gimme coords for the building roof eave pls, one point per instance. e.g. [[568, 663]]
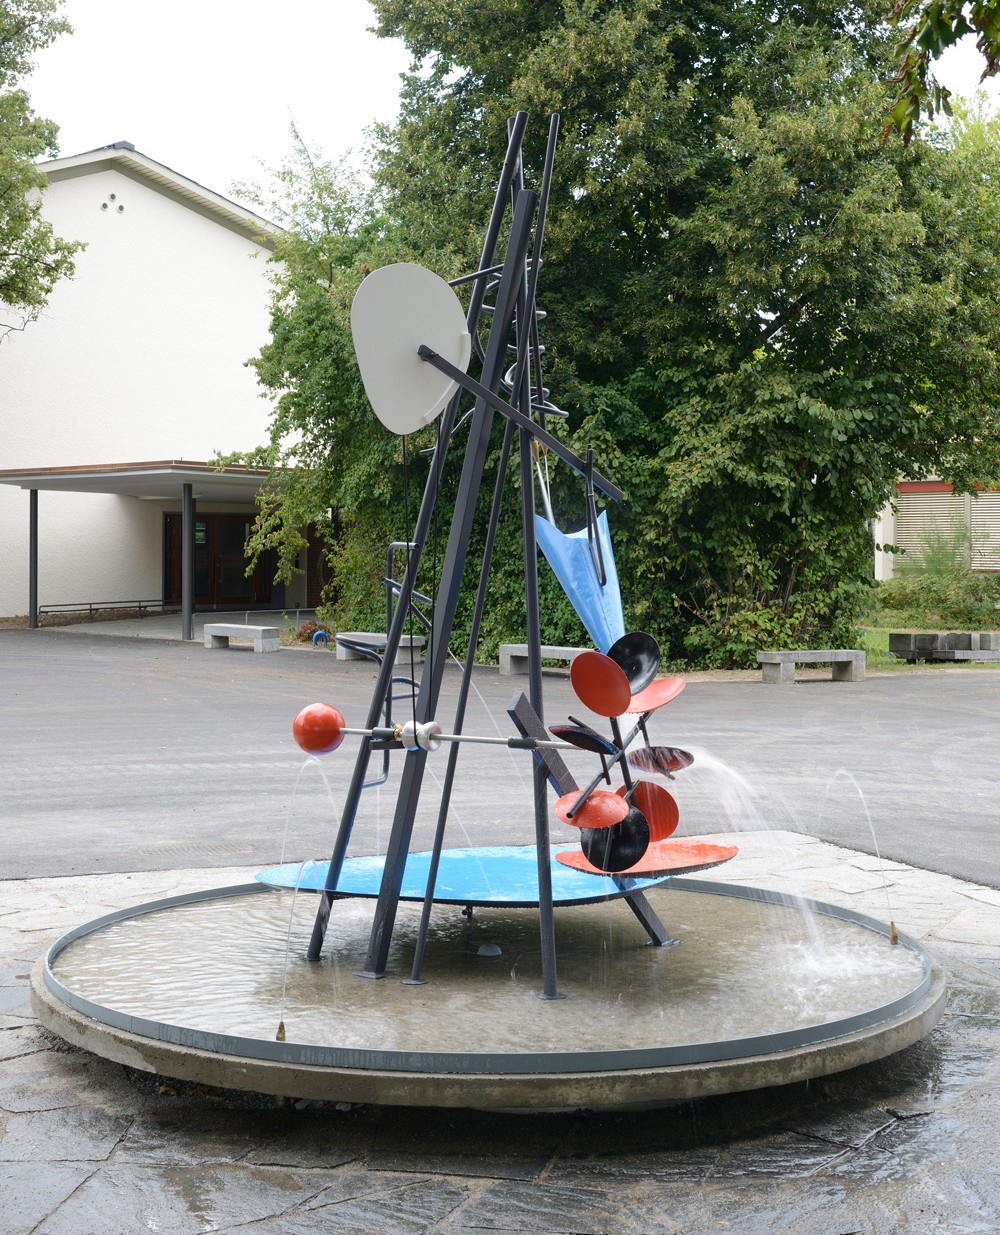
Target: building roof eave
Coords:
[[124, 158], [158, 480]]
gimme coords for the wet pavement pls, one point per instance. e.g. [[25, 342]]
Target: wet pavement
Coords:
[[111, 748]]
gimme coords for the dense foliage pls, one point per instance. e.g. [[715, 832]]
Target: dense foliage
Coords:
[[335, 471], [759, 315], [32, 257]]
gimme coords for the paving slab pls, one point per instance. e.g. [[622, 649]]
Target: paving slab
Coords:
[[890, 1146]]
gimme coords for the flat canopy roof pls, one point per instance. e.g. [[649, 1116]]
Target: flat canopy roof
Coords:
[[155, 481]]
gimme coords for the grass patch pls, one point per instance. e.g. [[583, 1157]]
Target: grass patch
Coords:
[[875, 645], [941, 597]]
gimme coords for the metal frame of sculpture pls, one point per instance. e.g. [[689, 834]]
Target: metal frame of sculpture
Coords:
[[616, 835]]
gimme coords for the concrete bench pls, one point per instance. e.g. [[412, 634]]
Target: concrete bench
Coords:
[[953, 645], [375, 643], [514, 656], [265, 638], [848, 664]]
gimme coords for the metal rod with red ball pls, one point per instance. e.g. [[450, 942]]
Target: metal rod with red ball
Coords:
[[320, 728]]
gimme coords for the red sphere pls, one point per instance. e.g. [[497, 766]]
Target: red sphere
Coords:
[[318, 729]]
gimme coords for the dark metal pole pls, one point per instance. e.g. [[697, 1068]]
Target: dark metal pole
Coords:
[[383, 684], [521, 399], [187, 561], [510, 164], [536, 256], [32, 559], [546, 924], [395, 631], [463, 699], [524, 399], [511, 284]]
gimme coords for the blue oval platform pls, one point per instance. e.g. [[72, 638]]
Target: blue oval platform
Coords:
[[497, 876]]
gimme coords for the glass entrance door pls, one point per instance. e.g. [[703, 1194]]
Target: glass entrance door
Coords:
[[220, 563], [233, 586]]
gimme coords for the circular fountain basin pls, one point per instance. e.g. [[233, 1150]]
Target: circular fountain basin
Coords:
[[762, 990]]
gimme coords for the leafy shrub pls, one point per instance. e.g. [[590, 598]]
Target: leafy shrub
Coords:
[[926, 600], [305, 632], [933, 588]]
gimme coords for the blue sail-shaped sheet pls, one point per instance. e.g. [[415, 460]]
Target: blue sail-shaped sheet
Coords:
[[599, 607]]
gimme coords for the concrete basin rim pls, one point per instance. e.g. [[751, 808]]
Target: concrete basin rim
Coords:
[[486, 1064], [631, 1090]]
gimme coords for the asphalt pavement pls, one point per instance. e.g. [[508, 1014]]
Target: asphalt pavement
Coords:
[[124, 754]]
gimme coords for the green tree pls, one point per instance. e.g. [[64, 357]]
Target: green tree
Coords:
[[760, 316], [929, 28], [770, 462], [32, 257]]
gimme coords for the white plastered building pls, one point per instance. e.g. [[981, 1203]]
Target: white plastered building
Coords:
[[114, 402]]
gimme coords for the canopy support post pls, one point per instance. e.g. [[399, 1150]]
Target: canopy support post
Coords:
[[187, 561], [32, 559]]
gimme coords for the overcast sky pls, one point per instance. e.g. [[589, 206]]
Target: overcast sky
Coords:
[[210, 87]]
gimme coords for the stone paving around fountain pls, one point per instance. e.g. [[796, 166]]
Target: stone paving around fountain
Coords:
[[905, 1145]]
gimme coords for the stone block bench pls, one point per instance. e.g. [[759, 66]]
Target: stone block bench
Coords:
[[370, 645], [954, 645], [265, 638], [848, 663], [514, 656]]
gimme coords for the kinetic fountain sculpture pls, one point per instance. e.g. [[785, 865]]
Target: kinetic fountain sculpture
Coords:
[[640, 1028]]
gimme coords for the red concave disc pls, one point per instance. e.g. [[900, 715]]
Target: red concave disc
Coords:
[[600, 684], [660, 808], [318, 729], [601, 810], [668, 857], [655, 695]]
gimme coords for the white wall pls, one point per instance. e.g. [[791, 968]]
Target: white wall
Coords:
[[883, 531], [140, 357]]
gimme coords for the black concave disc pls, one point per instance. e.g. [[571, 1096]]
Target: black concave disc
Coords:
[[663, 759], [618, 847], [638, 656], [585, 738]]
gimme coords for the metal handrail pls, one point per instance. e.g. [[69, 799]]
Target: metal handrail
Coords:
[[91, 607]]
